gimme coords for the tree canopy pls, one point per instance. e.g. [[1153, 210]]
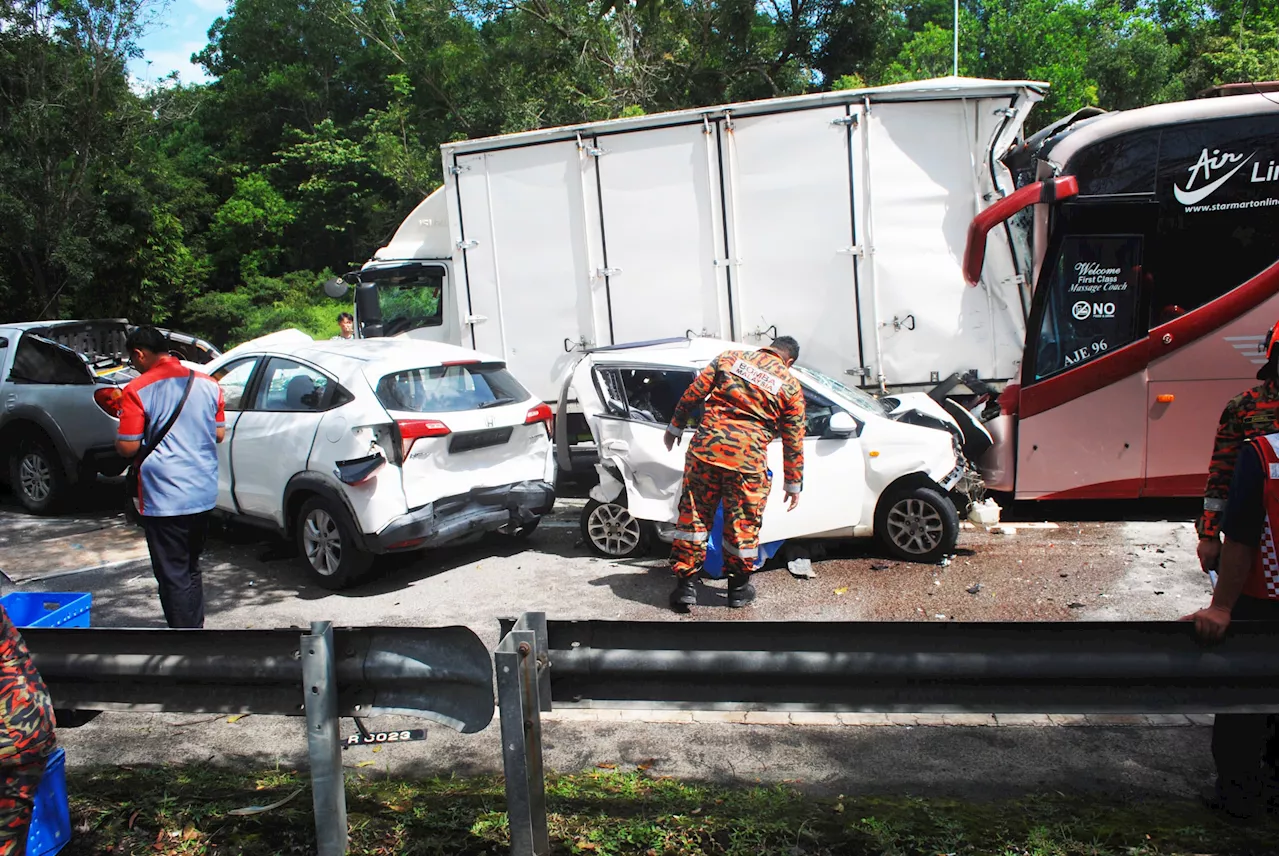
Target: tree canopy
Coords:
[[218, 207]]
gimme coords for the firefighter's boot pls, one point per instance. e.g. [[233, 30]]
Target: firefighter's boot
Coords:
[[741, 591], [684, 595]]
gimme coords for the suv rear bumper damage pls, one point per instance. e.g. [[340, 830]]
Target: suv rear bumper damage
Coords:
[[484, 509]]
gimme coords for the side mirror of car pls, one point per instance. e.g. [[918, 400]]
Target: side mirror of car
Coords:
[[842, 424], [336, 288]]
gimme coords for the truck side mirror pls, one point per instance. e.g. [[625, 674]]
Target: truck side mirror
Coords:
[[336, 288], [368, 310], [842, 424]]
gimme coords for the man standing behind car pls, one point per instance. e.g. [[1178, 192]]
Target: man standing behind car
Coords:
[[751, 397], [178, 477]]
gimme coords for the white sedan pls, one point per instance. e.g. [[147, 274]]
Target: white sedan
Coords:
[[886, 467], [361, 447]]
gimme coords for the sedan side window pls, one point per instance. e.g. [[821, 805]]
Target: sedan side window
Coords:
[[233, 378], [290, 387], [817, 414], [652, 394]]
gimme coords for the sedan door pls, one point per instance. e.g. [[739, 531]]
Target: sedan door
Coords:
[[273, 438], [834, 480], [234, 380]]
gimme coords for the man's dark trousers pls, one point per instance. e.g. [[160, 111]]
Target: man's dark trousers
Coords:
[[1244, 744], [175, 544]]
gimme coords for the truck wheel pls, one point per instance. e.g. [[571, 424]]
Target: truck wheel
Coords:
[[610, 531], [36, 476], [917, 524], [328, 545]]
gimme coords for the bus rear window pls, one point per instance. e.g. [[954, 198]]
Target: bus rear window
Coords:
[[449, 389]]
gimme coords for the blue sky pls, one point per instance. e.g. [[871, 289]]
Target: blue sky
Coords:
[[181, 30]]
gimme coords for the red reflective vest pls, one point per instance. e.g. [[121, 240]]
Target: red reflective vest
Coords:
[[1266, 568]]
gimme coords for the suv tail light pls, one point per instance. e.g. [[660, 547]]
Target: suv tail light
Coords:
[[542, 413], [411, 429], [110, 399]]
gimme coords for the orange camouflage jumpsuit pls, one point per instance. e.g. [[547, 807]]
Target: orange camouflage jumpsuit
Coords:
[[751, 398], [26, 736]]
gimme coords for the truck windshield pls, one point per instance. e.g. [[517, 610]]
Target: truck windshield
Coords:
[[409, 297]]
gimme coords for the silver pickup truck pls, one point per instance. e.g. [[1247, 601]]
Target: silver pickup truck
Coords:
[[60, 391]]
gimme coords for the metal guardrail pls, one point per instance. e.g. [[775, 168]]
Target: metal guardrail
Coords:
[[442, 674], [978, 667]]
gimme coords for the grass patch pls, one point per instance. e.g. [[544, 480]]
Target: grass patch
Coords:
[[186, 810]]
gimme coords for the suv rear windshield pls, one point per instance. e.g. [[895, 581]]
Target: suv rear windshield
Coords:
[[448, 389]]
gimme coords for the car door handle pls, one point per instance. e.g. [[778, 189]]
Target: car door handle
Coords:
[[619, 447]]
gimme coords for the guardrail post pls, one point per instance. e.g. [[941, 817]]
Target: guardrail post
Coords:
[[517, 663], [320, 688]]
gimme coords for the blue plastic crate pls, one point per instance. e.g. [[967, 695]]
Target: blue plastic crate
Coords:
[[51, 817], [48, 609]]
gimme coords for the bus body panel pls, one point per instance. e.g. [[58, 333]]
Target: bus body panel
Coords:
[[1097, 440]]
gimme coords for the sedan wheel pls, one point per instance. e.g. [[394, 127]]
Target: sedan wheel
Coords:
[[611, 531], [918, 524]]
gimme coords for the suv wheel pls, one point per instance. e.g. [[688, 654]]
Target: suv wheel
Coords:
[[917, 524], [36, 476], [328, 545], [610, 531]]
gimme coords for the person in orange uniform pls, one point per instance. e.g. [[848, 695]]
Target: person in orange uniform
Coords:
[[1244, 744], [751, 398], [26, 736], [1250, 414]]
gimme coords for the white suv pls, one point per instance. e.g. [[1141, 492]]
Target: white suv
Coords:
[[361, 447]]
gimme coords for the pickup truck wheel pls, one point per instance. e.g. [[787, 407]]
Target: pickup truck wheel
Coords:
[[610, 531], [917, 524], [328, 545], [36, 476]]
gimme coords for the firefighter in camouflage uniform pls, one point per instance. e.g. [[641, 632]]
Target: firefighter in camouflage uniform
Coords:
[[751, 398], [1250, 414], [26, 736]]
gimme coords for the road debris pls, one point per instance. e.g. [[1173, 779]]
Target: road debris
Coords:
[[975, 588], [802, 568]]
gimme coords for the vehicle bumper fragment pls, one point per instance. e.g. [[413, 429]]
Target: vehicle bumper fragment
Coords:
[[480, 510]]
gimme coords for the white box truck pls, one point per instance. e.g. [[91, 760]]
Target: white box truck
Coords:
[[839, 218]]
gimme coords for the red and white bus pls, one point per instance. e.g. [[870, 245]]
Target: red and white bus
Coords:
[[1150, 236]]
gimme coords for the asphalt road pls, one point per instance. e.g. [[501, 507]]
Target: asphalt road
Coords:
[[1087, 561]]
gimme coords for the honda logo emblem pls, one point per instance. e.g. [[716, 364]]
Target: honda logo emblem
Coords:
[[488, 423]]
